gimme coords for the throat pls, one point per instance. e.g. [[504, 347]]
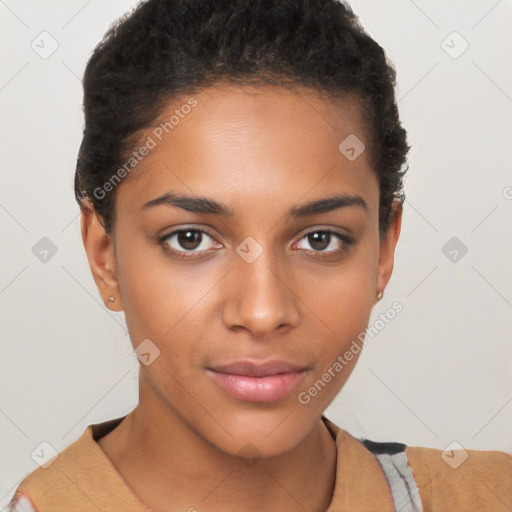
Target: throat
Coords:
[[303, 480]]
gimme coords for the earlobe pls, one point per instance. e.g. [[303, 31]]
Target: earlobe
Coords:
[[99, 248], [387, 247]]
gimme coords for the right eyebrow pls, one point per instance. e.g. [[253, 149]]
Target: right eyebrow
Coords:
[[197, 204]]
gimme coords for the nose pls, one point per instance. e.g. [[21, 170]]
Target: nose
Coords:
[[259, 298]]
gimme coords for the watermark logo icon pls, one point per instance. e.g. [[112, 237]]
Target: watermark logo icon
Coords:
[[352, 147], [454, 249], [249, 249], [44, 45], [147, 352], [454, 45], [44, 454], [249, 453], [454, 454], [44, 250]]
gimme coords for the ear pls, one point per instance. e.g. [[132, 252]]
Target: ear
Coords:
[[101, 255], [387, 247]]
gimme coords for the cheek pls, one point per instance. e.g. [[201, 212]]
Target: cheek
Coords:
[[164, 301], [340, 303], [344, 317], [343, 296], [338, 349]]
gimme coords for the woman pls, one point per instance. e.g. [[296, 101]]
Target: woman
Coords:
[[240, 185]]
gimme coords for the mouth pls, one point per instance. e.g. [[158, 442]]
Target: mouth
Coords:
[[253, 382]]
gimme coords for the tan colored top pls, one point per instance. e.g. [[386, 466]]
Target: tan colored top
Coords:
[[82, 478]]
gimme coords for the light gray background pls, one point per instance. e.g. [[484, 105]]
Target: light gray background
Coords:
[[439, 372]]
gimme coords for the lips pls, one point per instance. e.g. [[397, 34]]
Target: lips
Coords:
[[251, 369], [263, 382]]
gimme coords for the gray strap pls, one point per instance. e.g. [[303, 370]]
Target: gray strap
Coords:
[[404, 490]]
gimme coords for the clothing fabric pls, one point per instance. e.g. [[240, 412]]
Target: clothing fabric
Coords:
[[395, 464], [370, 477]]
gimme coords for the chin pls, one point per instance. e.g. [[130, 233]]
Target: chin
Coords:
[[260, 434]]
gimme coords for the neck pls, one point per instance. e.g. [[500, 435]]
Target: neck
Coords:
[[165, 461]]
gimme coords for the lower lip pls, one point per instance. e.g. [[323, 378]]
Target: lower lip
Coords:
[[258, 389]]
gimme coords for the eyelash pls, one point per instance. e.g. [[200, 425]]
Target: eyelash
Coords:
[[347, 242]]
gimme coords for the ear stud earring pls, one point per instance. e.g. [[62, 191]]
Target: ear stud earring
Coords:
[[111, 299], [379, 296]]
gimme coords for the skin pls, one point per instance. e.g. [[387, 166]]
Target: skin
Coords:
[[260, 152]]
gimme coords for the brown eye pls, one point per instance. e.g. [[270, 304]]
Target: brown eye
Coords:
[[321, 239], [187, 240]]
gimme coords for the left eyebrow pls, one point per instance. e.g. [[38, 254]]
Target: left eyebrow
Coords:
[[201, 204], [328, 204]]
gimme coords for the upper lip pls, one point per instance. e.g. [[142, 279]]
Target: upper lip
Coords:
[[254, 369]]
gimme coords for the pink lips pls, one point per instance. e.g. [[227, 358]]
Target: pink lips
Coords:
[[258, 382]]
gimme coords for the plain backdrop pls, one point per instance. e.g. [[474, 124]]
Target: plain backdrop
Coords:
[[440, 371]]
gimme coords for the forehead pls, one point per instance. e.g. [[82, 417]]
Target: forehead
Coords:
[[257, 143]]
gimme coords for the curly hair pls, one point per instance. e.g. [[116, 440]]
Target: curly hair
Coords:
[[164, 49]]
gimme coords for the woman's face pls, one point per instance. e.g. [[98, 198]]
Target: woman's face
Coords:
[[263, 283]]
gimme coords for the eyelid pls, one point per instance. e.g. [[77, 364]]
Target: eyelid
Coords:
[[326, 227]]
